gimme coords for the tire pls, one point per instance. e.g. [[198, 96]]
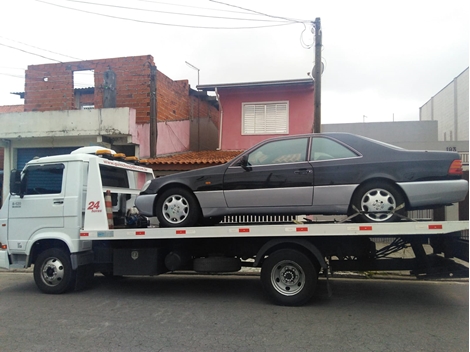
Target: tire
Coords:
[[289, 277], [53, 271], [177, 207], [378, 201]]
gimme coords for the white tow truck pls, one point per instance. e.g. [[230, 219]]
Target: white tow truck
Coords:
[[73, 215]]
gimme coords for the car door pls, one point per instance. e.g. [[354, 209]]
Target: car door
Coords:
[[276, 174], [41, 206]]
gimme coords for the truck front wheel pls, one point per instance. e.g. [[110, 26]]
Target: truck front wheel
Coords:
[[289, 277], [53, 271]]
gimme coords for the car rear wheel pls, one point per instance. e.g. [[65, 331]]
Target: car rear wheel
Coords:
[[177, 207], [378, 202]]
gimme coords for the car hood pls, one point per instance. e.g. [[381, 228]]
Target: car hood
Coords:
[[185, 177]]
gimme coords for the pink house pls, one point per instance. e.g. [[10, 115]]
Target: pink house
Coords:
[[248, 113], [254, 111]]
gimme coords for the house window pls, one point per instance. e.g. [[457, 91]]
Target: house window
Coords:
[[265, 118]]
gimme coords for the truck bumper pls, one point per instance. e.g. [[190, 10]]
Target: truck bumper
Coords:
[[4, 261]]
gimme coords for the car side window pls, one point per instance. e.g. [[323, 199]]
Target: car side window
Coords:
[[280, 152], [327, 149], [45, 179]]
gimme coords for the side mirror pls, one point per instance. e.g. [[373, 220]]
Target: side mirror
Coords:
[[245, 164], [15, 183]]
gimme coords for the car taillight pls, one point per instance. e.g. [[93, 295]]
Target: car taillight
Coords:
[[456, 168]]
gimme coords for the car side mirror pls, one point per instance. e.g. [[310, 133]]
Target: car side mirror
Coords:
[[15, 183], [245, 164]]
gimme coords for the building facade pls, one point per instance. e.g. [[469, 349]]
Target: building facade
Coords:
[[114, 109], [449, 107]]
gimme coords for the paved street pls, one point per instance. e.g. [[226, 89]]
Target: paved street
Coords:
[[230, 313]]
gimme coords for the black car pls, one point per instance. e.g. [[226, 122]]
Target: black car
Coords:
[[326, 173]]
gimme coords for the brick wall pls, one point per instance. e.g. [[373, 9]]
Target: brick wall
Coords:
[[51, 87], [11, 108]]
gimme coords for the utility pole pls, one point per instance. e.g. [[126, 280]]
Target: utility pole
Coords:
[[317, 77], [153, 112]]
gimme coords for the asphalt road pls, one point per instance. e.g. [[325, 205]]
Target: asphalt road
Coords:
[[231, 313]]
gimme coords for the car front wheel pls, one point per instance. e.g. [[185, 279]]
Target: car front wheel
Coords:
[[378, 202], [177, 207]]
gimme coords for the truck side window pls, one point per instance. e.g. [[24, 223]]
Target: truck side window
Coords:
[[114, 177], [44, 179]]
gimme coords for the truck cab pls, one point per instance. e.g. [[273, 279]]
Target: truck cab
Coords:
[[53, 198]]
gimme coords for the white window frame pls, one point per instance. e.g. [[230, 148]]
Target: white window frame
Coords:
[[263, 121]]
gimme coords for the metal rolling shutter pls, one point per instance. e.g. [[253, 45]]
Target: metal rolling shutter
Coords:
[[27, 154]]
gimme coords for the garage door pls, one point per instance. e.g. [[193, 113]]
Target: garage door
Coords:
[[27, 154]]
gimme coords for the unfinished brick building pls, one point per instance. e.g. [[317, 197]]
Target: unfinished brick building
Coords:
[[114, 108], [52, 87]]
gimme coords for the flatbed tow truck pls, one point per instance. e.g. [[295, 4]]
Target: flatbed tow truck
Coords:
[[71, 216]]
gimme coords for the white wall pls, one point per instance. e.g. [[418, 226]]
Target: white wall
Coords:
[[450, 107]]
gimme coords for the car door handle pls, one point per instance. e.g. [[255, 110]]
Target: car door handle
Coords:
[[303, 172], [58, 201]]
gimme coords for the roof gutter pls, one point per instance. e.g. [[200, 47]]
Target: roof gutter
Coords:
[[221, 118]]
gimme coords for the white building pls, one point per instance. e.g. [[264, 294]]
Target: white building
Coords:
[[450, 108]]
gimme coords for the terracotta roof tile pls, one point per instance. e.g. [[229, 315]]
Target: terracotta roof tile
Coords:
[[208, 157]]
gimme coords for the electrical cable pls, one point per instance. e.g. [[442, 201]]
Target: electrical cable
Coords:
[[35, 47], [261, 13], [161, 23], [167, 12], [28, 52]]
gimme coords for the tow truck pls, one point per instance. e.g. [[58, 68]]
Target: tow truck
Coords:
[[71, 216]]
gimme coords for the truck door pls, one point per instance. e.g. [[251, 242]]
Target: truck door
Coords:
[[41, 206]]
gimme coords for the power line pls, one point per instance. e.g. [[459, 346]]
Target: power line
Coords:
[[261, 13], [28, 52], [35, 47], [191, 7], [6, 74], [160, 23], [168, 12]]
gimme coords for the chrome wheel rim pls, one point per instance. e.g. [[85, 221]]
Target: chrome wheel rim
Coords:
[[52, 272], [175, 209], [378, 204], [287, 278]]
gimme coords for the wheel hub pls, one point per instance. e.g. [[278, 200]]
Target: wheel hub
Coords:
[[379, 204], [287, 278], [53, 272], [175, 209], [289, 275]]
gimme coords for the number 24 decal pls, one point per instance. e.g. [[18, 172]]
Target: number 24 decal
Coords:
[[93, 205]]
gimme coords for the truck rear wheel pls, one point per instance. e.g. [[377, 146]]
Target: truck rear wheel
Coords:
[[289, 277], [53, 271]]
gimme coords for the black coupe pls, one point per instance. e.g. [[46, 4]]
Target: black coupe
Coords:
[[326, 173]]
